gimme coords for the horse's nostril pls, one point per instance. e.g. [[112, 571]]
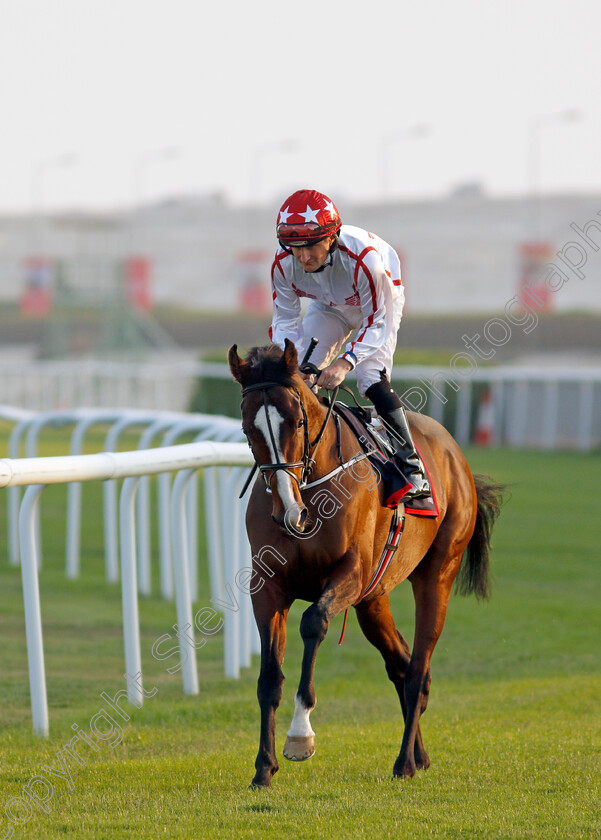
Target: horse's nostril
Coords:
[[303, 516]]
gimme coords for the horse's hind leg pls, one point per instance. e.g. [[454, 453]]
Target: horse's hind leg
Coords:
[[377, 624], [431, 581]]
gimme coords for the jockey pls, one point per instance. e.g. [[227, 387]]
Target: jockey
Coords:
[[353, 281]]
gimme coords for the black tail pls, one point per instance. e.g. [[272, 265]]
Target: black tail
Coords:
[[473, 574]]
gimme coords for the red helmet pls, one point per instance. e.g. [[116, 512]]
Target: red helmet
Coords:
[[306, 217]]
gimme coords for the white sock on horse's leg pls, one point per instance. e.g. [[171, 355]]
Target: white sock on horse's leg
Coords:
[[300, 726], [300, 743]]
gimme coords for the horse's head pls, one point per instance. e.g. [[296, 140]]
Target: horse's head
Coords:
[[274, 420]]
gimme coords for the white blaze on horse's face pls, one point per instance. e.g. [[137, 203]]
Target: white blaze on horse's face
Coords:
[[293, 510]]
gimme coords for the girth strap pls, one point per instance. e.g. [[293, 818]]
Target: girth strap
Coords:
[[397, 524]]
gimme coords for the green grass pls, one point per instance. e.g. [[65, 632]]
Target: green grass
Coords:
[[513, 725]]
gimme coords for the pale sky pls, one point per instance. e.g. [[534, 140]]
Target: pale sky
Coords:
[[228, 86]]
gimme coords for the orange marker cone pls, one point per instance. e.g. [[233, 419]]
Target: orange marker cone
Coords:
[[485, 425]]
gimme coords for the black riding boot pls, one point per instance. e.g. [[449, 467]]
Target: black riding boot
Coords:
[[413, 482]]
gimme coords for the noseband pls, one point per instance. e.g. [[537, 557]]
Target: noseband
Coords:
[[310, 447]]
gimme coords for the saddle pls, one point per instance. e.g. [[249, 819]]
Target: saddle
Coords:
[[375, 442]]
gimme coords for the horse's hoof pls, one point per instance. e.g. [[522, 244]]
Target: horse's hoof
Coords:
[[405, 770], [422, 762], [299, 749], [257, 786]]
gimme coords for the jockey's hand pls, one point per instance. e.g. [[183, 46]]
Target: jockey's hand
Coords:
[[334, 374]]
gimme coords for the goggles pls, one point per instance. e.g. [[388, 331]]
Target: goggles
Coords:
[[298, 236]]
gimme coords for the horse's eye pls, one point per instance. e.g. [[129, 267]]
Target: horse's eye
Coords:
[[300, 423]]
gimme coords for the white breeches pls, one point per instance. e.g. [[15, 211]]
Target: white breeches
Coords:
[[333, 331]]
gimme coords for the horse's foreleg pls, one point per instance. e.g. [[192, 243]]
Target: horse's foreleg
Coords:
[[271, 622], [342, 590], [300, 738], [377, 624]]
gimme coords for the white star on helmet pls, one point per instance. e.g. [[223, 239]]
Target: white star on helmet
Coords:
[[329, 208], [310, 214], [284, 214]]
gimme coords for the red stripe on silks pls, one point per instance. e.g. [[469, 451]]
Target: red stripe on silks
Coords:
[[398, 282], [270, 333], [359, 264], [276, 264], [343, 627], [352, 350], [372, 285]]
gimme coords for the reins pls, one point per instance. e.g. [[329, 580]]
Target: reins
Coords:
[[310, 447]]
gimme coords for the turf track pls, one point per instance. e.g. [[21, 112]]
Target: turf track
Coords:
[[513, 726]]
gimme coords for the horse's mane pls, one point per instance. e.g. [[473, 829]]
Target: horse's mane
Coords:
[[268, 364]]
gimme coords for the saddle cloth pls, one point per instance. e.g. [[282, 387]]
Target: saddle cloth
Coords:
[[377, 442]]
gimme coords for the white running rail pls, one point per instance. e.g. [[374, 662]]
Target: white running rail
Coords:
[[37, 473]]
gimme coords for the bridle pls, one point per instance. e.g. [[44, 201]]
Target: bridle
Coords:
[[310, 447]]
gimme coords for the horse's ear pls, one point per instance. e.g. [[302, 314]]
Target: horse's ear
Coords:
[[290, 356], [238, 366]]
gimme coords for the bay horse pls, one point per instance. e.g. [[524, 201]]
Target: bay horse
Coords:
[[317, 533]]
